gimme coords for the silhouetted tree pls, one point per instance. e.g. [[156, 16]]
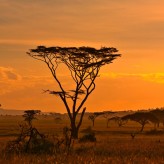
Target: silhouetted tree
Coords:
[[118, 120], [29, 139], [142, 118], [30, 115], [159, 113], [84, 64], [107, 115], [93, 116], [31, 131]]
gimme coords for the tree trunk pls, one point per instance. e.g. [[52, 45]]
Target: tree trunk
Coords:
[[74, 132], [142, 127], [93, 123], [75, 128]]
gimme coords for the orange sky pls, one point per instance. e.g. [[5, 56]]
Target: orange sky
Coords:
[[136, 28]]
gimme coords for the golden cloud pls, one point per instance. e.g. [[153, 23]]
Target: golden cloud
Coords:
[[11, 81], [152, 77], [8, 74]]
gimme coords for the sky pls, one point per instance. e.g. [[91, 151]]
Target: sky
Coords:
[[136, 28]]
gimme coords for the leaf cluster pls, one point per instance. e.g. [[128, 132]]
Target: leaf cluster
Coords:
[[81, 57], [30, 115]]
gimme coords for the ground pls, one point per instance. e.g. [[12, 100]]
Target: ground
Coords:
[[114, 144]]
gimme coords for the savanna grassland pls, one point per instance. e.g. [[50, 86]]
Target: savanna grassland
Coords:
[[114, 144]]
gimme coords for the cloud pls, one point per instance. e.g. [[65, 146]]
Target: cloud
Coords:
[[8, 74], [103, 21], [113, 90], [11, 81], [150, 77], [120, 91], [25, 91]]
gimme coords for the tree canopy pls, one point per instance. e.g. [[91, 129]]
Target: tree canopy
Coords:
[[142, 118], [30, 115], [84, 64]]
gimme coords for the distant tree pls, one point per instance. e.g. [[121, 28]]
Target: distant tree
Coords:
[[142, 118], [30, 115], [107, 115], [118, 120], [93, 116], [29, 139], [84, 64], [158, 113]]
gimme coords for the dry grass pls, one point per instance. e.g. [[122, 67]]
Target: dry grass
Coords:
[[114, 145]]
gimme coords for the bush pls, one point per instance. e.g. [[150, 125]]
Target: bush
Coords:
[[88, 137], [36, 146], [41, 146]]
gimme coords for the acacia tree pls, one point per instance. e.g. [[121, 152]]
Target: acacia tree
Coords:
[[93, 116], [159, 113], [84, 64], [107, 115], [142, 118], [118, 120], [30, 115]]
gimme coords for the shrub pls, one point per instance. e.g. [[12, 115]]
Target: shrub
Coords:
[[36, 146], [89, 135]]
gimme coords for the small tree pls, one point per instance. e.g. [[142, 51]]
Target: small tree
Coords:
[[29, 139], [118, 120], [158, 113], [31, 131], [84, 64], [107, 115], [142, 118], [30, 115], [93, 116]]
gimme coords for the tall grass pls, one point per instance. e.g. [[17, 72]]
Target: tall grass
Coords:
[[114, 145], [108, 150]]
